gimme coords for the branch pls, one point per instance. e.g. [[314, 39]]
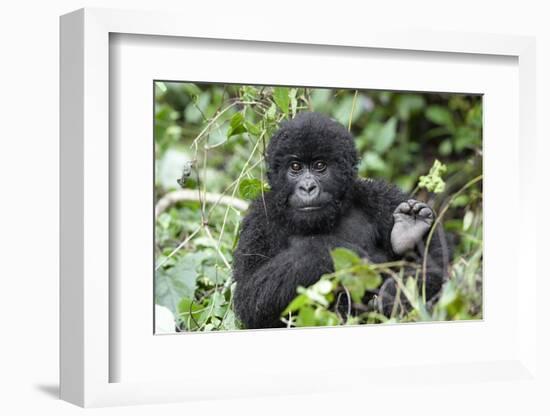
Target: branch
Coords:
[[193, 195]]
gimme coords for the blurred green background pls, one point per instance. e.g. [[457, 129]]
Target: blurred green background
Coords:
[[209, 147]]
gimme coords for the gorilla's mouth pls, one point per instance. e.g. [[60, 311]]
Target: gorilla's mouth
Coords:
[[310, 208], [301, 204]]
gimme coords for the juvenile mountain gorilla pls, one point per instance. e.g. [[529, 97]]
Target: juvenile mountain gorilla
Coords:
[[317, 203]]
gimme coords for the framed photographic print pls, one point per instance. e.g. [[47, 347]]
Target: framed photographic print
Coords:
[[249, 205], [310, 162]]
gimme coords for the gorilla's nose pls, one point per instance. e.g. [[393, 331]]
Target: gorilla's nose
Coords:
[[309, 188]]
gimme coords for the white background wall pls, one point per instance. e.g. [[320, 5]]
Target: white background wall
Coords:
[[29, 57]]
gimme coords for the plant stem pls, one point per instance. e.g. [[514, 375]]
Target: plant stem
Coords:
[[436, 223], [184, 242], [352, 110]]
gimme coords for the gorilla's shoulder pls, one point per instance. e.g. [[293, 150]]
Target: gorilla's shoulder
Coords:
[[374, 191], [259, 210], [374, 186]]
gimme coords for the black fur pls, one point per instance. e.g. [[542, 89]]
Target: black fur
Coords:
[[280, 248]]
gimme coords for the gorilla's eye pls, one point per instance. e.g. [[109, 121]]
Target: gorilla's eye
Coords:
[[320, 166], [296, 166]]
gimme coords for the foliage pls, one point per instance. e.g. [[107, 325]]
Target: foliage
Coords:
[[211, 138], [433, 181], [317, 305]]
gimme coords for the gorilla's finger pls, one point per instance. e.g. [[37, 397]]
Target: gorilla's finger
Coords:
[[426, 212], [403, 208], [419, 206]]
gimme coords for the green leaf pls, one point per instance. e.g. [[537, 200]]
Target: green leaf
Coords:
[[230, 321], [440, 115], [325, 317], [236, 125], [217, 136], [178, 282], [371, 162], [445, 147], [473, 267], [344, 109], [271, 112], [218, 304], [354, 286], [460, 201], [252, 128], [474, 116], [297, 303], [251, 188], [369, 277], [214, 273], [324, 286], [344, 258], [411, 290], [321, 99], [407, 104], [313, 295], [468, 220], [282, 99], [361, 279], [189, 312], [466, 137], [405, 182], [306, 317], [161, 86], [249, 93], [386, 136], [171, 286], [236, 120], [205, 242], [451, 301]]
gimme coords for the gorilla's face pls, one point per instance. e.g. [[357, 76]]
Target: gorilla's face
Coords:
[[313, 194], [311, 168], [311, 185]]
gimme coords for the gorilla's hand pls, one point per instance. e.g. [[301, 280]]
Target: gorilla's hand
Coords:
[[412, 220]]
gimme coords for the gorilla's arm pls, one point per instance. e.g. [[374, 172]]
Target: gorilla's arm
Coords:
[[403, 238], [262, 293], [269, 267], [436, 268]]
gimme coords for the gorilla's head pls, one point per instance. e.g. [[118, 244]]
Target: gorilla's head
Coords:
[[311, 167]]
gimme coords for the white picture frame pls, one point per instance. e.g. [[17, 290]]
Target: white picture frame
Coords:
[[87, 309]]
